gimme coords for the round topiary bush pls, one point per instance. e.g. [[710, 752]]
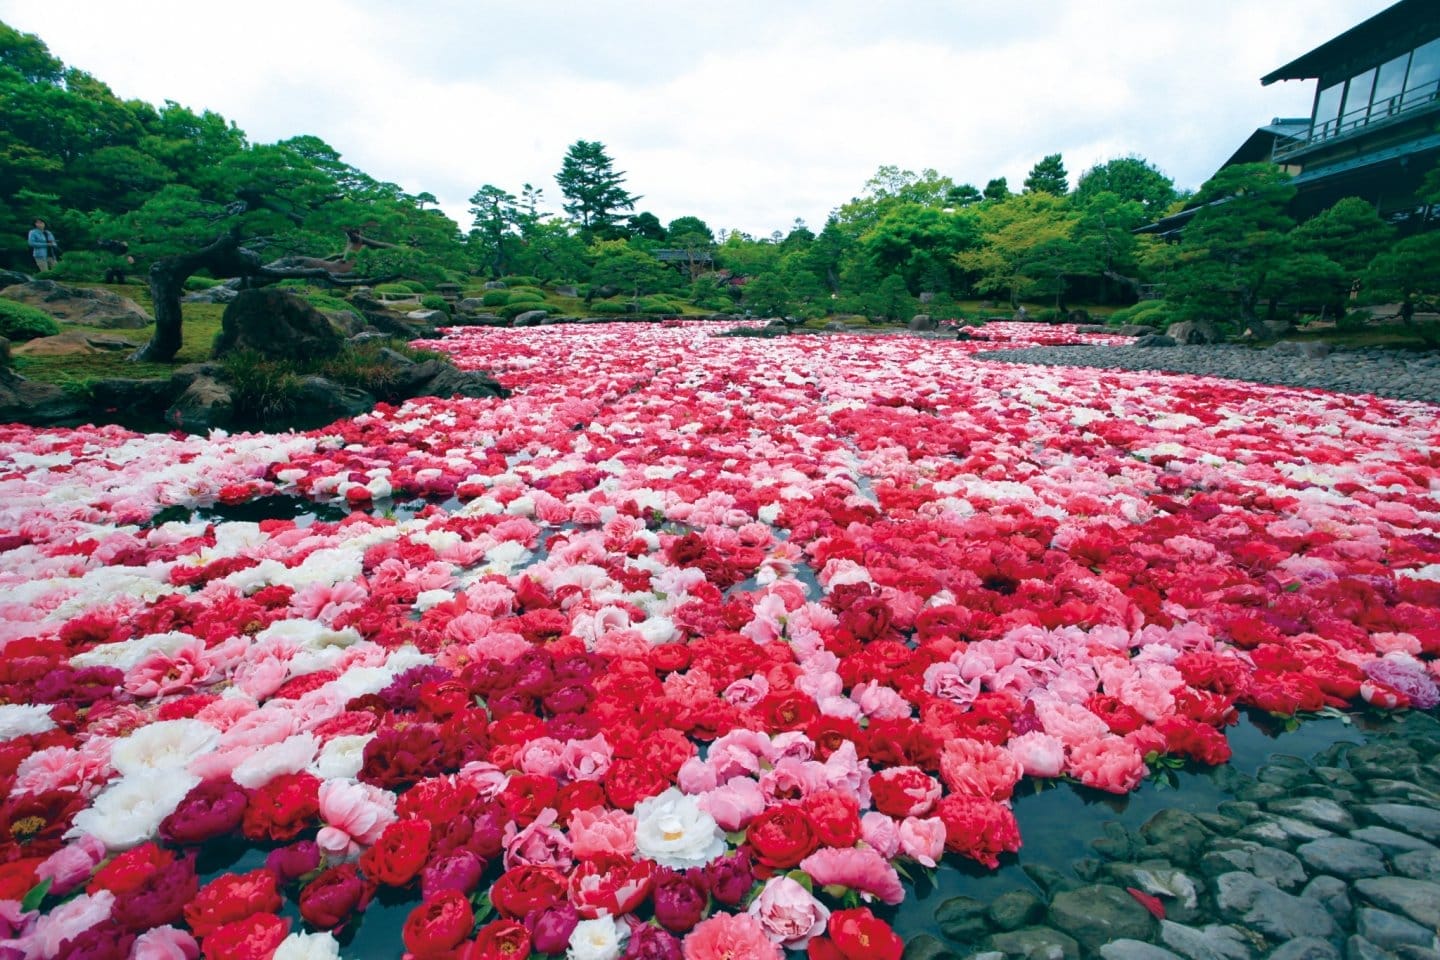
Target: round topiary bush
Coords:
[[518, 294], [19, 321], [607, 307], [1146, 313], [495, 298], [433, 301], [512, 310]]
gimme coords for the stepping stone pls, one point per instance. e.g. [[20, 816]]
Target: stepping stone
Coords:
[[1417, 899], [1341, 857]]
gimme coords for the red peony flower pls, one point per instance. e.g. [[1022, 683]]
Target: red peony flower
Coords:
[[399, 854], [232, 897], [283, 807], [781, 837], [857, 935], [439, 924], [523, 889], [329, 900], [609, 885], [978, 828], [254, 938]]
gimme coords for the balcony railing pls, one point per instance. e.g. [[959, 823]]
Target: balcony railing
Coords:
[[1379, 112]]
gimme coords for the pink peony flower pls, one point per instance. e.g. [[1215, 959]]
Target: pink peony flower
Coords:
[[880, 832], [725, 936], [735, 803], [980, 769], [1109, 764], [923, 840], [1040, 754], [788, 913], [601, 832], [858, 868]]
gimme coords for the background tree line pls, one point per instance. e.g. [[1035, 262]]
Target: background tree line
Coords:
[[166, 180]]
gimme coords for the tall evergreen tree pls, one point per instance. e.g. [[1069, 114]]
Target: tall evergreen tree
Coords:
[[1048, 176], [594, 191]]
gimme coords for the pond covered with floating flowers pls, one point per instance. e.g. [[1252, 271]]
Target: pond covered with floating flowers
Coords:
[[692, 646]]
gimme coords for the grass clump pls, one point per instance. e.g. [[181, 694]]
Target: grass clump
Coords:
[[20, 321]]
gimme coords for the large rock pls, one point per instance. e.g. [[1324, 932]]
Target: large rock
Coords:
[[216, 294], [923, 321], [8, 278], [1342, 857], [1423, 822], [1247, 899], [962, 919], [206, 404], [1135, 950], [1035, 943], [1194, 331], [80, 305], [444, 380], [1215, 942], [530, 318], [1385, 929], [1135, 330], [1416, 899], [133, 398], [35, 403], [276, 324], [1155, 340], [1097, 914], [1317, 810], [321, 401], [74, 343]]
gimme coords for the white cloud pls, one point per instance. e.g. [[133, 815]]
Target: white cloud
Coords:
[[746, 114]]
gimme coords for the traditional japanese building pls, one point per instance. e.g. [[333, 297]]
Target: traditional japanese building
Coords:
[[1374, 128], [1374, 124]]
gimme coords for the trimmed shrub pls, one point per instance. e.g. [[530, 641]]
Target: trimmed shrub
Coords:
[[609, 307], [415, 286], [1146, 313], [433, 301], [525, 293], [20, 321], [512, 310], [495, 298], [81, 265]]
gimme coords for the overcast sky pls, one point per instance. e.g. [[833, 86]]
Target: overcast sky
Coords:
[[746, 113]]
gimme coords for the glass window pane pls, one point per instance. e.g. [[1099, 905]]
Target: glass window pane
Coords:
[[1424, 73], [1357, 98], [1388, 85], [1327, 109]]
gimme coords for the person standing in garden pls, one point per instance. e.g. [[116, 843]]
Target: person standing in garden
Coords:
[[43, 247]]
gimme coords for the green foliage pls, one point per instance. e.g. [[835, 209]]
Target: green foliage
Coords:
[[205, 283], [522, 294], [1048, 176], [1406, 272], [661, 305], [402, 289], [1350, 234], [919, 243], [618, 264], [1146, 313], [1236, 241], [607, 307], [645, 226], [891, 301], [997, 189], [520, 280], [1131, 179], [495, 298], [261, 388], [81, 265], [433, 301], [593, 189], [20, 321]]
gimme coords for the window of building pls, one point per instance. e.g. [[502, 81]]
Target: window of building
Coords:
[[1327, 111], [1389, 84], [1424, 73], [1357, 98]]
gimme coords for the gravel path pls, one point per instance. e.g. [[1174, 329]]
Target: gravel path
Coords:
[[1402, 375]]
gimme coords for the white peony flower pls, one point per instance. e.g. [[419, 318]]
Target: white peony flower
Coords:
[[672, 830], [341, 757], [308, 946], [599, 939], [290, 755], [129, 811], [163, 746], [22, 719]]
